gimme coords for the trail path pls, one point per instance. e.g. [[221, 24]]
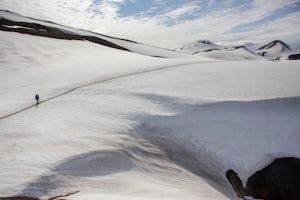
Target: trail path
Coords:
[[98, 82]]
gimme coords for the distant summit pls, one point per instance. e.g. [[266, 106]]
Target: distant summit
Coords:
[[275, 50], [197, 46], [274, 43], [208, 49]]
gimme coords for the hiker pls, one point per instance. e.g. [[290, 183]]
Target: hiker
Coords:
[[37, 98]]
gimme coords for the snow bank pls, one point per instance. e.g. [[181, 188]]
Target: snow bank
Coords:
[[231, 135], [216, 117]]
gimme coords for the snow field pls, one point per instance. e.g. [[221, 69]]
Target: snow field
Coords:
[[49, 66], [77, 143], [138, 127]]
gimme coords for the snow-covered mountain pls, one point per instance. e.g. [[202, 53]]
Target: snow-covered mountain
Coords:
[[17, 23], [197, 46], [120, 120], [208, 49], [276, 50]]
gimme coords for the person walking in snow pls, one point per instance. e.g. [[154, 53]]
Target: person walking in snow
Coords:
[[37, 98]]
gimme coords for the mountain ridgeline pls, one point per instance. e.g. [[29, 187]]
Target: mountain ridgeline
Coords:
[[51, 32], [12, 22], [275, 50]]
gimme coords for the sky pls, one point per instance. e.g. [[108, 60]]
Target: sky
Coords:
[[170, 23]]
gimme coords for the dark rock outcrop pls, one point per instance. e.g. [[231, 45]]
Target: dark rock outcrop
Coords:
[[294, 57], [51, 32], [278, 181], [236, 183]]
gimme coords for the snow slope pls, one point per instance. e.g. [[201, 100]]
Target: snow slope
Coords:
[[119, 125], [53, 64], [132, 46], [94, 154]]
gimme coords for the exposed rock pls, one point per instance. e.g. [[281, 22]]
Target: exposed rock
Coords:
[[278, 181], [236, 183], [51, 32], [294, 57]]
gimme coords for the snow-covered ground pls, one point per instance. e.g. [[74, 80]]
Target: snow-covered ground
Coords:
[[56, 66], [80, 142], [119, 125]]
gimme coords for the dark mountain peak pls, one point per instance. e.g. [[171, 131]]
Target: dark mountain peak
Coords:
[[204, 42], [273, 43]]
